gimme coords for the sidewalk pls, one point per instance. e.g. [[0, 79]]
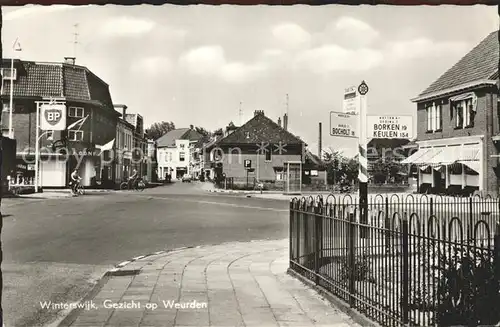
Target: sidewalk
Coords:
[[233, 284]]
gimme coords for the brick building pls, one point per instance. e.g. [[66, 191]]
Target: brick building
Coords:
[[458, 125], [83, 93], [278, 146]]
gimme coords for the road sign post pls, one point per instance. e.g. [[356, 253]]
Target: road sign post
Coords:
[[363, 162]]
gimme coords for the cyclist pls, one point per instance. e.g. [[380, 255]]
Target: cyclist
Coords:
[[132, 179], [76, 180]]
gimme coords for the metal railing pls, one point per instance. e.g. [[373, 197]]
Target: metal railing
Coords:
[[419, 260]]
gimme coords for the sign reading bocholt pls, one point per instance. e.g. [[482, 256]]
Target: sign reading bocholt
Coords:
[[390, 127], [343, 125], [53, 117]]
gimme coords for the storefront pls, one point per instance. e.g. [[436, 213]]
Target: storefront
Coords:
[[449, 165]]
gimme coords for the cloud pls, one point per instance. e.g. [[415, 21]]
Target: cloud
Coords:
[[126, 26], [30, 10], [205, 60], [332, 57], [424, 48], [211, 61], [291, 36], [351, 32], [152, 65]]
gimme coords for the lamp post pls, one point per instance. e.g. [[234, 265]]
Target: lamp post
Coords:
[[16, 47]]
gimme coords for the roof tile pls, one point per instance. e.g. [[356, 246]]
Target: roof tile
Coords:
[[480, 63]]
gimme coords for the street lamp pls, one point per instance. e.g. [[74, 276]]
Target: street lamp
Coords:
[[16, 47]]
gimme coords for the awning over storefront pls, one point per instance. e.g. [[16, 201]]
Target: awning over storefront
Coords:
[[463, 96], [444, 156], [474, 165]]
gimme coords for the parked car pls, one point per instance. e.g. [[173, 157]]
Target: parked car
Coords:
[[186, 178]]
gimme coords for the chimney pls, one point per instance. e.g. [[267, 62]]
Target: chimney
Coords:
[[124, 111], [285, 122], [258, 112], [191, 126], [279, 121], [69, 60], [319, 141]]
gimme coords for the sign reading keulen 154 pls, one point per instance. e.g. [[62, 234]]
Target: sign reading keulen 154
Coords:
[[342, 124], [390, 127]]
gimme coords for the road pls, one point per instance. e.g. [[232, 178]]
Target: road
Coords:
[[54, 250]]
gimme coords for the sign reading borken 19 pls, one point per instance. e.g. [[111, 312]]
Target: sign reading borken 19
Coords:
[[390, 127]]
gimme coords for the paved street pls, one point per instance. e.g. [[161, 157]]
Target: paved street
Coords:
[[232, 284], [55, 249]]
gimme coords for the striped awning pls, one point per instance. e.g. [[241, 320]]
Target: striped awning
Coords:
[[463, 96], [474, 165], [444, 155]]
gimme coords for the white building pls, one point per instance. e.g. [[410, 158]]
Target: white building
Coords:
[[175, 153]]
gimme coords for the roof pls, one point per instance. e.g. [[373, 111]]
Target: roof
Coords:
[[481, 63], [44, 80], [314, 158], [260, 129], [169, 139]]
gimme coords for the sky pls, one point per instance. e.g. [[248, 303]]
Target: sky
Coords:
[[200, 64]]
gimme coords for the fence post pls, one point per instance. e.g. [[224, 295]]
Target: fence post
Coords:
[[387, 226], [471, 221], [318, 240], [352, 257], [404, 270], [431, 203], [300, 216]]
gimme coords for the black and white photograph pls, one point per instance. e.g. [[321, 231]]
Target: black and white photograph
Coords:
[[249, 165]]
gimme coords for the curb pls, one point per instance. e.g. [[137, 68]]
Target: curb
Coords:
[[355, 315]]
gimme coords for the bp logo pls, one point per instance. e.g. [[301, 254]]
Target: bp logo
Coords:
[[53, 116]]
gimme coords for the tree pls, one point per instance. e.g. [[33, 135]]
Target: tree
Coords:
[[157, 130]]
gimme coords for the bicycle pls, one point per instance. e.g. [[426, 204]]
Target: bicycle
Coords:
[[139, 185], [77, 189]]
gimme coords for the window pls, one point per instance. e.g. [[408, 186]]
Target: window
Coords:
[[75, 135], [280, 176], [465, 113], [50, 135], [434, 118], [75, 112], [7, 74], [268, 155], [182, 156], [6, 107]]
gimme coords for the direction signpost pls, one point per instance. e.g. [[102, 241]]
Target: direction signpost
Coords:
[[363, 161], [343, 124], [390, 127]]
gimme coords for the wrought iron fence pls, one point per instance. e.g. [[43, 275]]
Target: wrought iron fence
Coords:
[[412, 260]]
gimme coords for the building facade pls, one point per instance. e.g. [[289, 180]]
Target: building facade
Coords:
[[458, 126], [139, 150], [175, 153], [84, 95], [264, 145], [124, 144]]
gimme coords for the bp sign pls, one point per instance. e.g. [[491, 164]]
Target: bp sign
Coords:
[[343, 125], [390, 127], [53, 117]]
